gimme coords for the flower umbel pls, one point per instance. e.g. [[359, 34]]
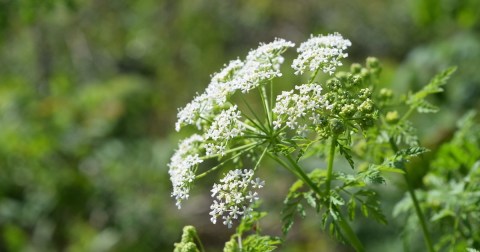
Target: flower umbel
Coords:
[[182, 166], [307, 105], [321, 52], [233, 196]]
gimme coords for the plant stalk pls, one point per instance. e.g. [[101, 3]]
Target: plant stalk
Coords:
[[418, 210], [331, 157], [348, 231]]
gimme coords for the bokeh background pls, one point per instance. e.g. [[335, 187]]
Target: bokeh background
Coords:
[[89, 91]]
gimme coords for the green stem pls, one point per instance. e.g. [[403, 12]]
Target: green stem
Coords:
[[230, 151], [348, 231], [222, 163], [304, 176], [313, 76], [263, 95], [350, 234], [418, 210], [331, 157], [202, 249]]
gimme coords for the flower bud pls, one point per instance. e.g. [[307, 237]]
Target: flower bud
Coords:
[[336, 126], [355, 68], [373, 63], [392, 117], [386, 93]]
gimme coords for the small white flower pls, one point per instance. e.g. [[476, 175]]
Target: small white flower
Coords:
[[182, 165], [258, 183], [290, 107], [233, 198], [225, 126], [321, 52], [262, 64]]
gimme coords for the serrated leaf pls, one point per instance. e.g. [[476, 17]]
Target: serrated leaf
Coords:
[[364, 210], [253, 243], [426, 107], [310, 199], [431, 88], [412, 151], [384, 168], [336, 200], [345, 151], [352, 204], [442, 214]]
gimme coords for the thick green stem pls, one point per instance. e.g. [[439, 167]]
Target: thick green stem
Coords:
[[418, 210], [331, 157]]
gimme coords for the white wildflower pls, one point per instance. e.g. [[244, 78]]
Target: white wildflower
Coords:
[[233, 198], [215, 95], [262, 64], [291, 107], [225, 126], [321, 52], [182, 165]]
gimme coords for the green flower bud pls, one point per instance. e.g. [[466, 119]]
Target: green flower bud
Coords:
[[367, 122], [334, 84], [355, 68], [342, 76], [365, 93], [347, 110], [373, 62], [392, 117], [386, 93], [337, 127], [366, 106], [189, 247]]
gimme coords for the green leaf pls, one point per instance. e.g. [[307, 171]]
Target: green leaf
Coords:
[[384, 168], [416, 99], [352, 204], [426, 107], [345, 151]]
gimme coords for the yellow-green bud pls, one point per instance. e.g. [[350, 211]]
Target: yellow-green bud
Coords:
[[386, 93], [392, 117], [355, 68]]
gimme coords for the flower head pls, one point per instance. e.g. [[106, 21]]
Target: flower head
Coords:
[[225, 126], [233, 198], [262, 64], [290, 107], [321, 52], [215, 95], [182, 166]]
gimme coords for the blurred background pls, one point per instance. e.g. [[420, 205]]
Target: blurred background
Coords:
[[89, 91]]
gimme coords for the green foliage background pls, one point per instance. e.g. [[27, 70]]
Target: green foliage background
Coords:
[[89, 91]]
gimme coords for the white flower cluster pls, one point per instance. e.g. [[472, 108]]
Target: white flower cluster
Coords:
[[260, 65], [321, 52], [225, 127], [233, 198], [182, 167], [215, 94], [291, 107]]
